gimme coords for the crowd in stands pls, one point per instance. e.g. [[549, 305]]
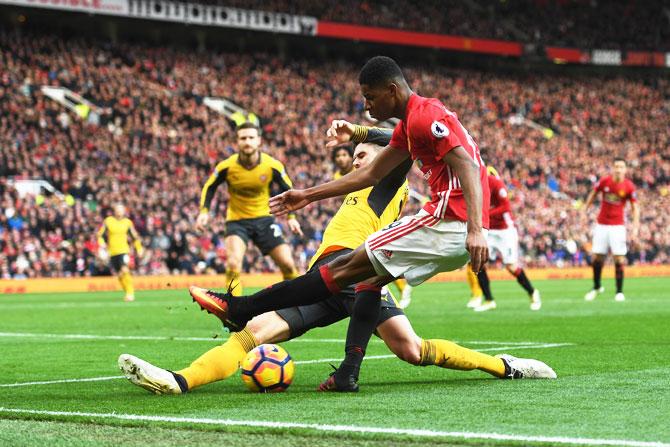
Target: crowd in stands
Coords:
[[151, 143], [642, 25]]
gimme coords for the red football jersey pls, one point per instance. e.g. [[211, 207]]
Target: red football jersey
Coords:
[[428, 132], [614, 198], [501, 209]]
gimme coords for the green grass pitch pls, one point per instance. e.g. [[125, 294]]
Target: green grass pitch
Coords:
[[612, 360]]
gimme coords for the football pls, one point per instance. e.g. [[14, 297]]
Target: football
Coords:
[[267, 368]]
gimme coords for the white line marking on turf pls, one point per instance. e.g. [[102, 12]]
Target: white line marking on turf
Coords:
[[69, 305], [219, 339], [341, 428], [297, 362], [50, 382], [368, 357]]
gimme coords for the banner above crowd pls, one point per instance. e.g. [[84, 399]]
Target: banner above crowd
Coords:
[[226, 17]]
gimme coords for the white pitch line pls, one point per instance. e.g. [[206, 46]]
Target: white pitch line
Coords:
[[341, 428], [217, 339], [69, 305], [51, 382], [297, 362], [369, 357]]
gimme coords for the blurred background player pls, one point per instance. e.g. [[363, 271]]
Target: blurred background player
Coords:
[[344, 162], [609, 233], [503, 240], [115, 230], [249, 175], [361, 214], [476, 294]]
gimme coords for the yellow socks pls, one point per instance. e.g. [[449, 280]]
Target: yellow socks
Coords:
[[233, 282], [221, 362], [126, 281], [293, 275], [400, 284], [446, 354], [475, 290]]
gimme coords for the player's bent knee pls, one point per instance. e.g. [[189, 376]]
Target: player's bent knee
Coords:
[[407, 350], [268, 328], [411, 354]]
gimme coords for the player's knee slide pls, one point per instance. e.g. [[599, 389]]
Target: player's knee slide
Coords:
[[409, 352]]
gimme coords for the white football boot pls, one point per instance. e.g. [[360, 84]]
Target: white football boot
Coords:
[[486, 305], [619, 297], [526, 368], [535, 300], [591, 294], [148, 376], [475, 302]]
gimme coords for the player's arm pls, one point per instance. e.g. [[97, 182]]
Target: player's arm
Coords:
[[467, 170], [341, 132], [589, 200], [635, 208], [137, 241], [101, 235], [281, 178], [388, 159], [207, 194]]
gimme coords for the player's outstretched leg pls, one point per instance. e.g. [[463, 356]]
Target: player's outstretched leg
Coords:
[[150, 377], [218, 363], [235, 312], [399, 336]]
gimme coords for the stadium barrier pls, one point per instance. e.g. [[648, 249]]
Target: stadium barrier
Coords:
[[181, 282]]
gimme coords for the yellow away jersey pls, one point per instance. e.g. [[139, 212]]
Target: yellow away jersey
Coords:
[[363, 213], [337, 174], [116, 232], [249, 189]]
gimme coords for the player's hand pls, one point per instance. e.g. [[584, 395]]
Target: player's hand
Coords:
[[294, 226], [340, 132], [288, 201], [476, 245], [202, 221]]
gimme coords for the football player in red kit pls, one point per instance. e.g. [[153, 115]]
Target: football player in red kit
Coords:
[[609, 233], [503, 240]]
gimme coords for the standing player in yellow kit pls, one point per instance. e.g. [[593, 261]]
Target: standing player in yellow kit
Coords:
[[249, 175], [115, 230]]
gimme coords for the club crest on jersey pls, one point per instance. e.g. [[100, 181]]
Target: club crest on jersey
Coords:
[[439, 130], [263, 177]]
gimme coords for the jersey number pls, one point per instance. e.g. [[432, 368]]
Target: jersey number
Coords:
[[276, 230]]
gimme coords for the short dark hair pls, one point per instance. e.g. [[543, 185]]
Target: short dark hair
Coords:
[[349, 148], [619, 159], [379, 69], [248, 125]]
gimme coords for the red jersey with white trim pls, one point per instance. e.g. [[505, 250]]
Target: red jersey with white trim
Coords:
[[428, 132], [500, 213], [614, 197]]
